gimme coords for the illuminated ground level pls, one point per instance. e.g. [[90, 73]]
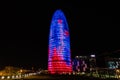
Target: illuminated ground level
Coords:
[[65, 77], [97, 74], [74, 76]]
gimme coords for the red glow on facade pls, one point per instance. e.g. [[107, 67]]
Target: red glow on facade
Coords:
[[60, 21], [66, 33], [59, 66]]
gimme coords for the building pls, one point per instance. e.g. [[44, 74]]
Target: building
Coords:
[[59, 56], [92, 62], [112, 63], [80, 63], [84, 63], [111, 59]]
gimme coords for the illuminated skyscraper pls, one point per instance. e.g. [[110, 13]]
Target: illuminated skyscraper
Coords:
[[59, 56]]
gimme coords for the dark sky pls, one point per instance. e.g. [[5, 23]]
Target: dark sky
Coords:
[[24, 35]]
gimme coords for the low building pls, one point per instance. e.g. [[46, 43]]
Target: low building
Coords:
[[84, 63], [80, 63]]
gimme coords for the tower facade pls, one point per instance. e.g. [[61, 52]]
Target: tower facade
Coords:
[[59, 56]]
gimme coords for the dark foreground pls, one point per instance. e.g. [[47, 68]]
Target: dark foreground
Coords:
[[63, 77]]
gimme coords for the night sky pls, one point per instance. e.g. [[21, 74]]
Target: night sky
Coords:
[[25, 31]]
